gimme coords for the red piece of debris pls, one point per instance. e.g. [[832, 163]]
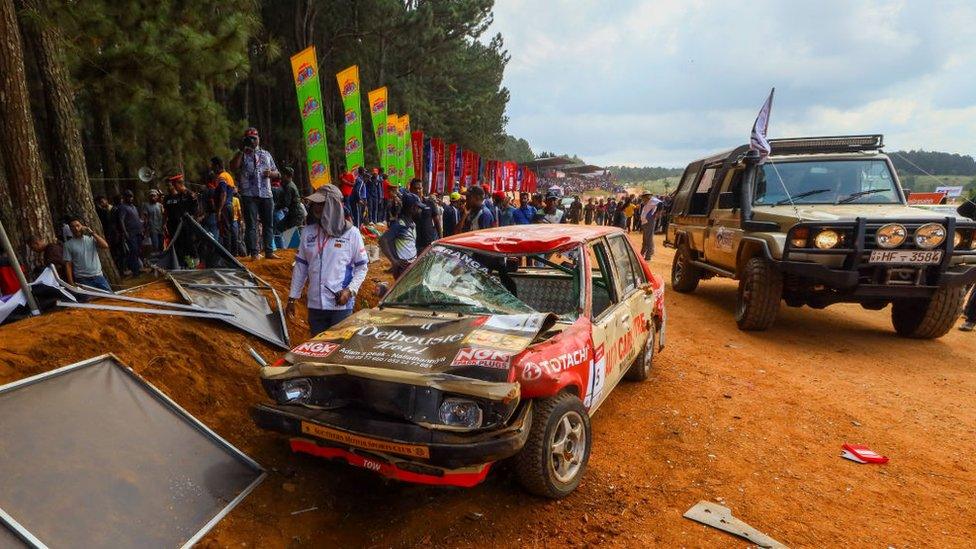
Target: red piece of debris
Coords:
[[862, 454]]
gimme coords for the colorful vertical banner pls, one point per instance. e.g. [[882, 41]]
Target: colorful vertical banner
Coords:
[[401, 136], [440, 176], [428, 164], [305, 69], [389, 159], [459, 165], [349, 89], [377, 111], [417, 140], [410, 171], [449, 165]]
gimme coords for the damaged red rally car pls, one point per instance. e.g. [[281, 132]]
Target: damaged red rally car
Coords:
[[495, 344]]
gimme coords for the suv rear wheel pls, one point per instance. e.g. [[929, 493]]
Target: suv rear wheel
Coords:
[[684, 275], [553, 460], [921, 319], [760, 290]]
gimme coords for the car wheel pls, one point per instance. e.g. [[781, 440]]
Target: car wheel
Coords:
[[640, 368], [684, 275], [921, 319], [553, 460], [760, 290]]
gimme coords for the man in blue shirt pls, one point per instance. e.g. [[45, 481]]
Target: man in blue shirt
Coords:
[[399, 242], [479, 216], [452, 214], [525, 213], [257, 168]]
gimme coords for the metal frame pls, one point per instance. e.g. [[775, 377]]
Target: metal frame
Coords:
[[107, 295], [17, 528], [169, 312]]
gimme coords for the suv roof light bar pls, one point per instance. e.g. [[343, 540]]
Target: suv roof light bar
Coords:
[[826, 144]]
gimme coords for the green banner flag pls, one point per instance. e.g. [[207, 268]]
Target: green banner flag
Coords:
[[377, 110], [305, 69], [390, 158], [349, 89], [401, 150]]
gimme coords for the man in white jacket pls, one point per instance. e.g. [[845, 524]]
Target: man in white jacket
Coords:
[[331, 259]]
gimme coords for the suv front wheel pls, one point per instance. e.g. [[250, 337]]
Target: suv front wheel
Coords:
[[931, 319], [760, 290]]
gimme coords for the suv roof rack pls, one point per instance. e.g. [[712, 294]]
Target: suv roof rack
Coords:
[[826, 144]]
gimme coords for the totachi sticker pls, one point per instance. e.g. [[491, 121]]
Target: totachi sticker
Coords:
[[486, 358], [598, 369], [317, 349]]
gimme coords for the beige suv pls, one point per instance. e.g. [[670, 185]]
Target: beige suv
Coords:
[[822, 220]]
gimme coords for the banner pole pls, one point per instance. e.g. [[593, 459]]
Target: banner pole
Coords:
[[24, 287]]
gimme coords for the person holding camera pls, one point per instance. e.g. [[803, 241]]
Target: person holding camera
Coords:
[[256, 168], [81, 263]]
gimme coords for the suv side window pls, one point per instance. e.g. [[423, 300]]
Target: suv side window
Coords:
[[703, 189], [685, 189], [624, 264]]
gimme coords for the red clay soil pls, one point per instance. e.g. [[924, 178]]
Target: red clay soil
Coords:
[[752, 420]]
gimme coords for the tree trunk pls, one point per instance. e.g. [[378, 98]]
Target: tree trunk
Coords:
[[73, 194], [18, 142], [7, 212], [110, 164]]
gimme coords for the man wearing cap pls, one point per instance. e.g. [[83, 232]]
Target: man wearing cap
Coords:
[[331, 259], [551, 212], [452, 214], [152, 218], [256, 168]]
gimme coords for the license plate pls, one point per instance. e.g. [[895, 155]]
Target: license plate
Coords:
[[366, 443], [916, 257]]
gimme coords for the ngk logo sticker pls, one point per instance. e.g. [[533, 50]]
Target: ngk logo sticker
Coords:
[[317, 349], [486, 358]]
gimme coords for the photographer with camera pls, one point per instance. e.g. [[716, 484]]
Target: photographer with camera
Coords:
[[256, 168]]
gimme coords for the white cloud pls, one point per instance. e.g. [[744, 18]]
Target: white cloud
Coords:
[[663, 82]]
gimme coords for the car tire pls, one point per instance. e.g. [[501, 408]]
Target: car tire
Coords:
[[537, 468], [684, 276], [921, 319], [640, 368], [760, 291]]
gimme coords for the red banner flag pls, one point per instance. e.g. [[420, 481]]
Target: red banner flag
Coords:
[[451, 157], [417, 142]]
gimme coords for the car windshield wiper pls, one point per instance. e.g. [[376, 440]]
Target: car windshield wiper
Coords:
[[801, 195], [859, 194]]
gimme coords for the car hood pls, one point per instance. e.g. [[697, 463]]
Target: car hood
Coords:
[[476, 346], [844, 212]]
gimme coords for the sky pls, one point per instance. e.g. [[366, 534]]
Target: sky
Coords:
[[662, 82]]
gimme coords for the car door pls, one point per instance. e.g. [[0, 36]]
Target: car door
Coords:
[[604, 309], [637, 305], [724, 230]]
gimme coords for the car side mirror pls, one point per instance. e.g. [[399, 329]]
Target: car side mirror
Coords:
[[727, 201]]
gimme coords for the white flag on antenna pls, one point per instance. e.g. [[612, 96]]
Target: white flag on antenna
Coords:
[[758, 141]]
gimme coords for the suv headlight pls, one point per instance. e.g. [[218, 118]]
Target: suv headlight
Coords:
[[957, 239], [930, 235], [459, 412], [826, 239], [891, 235], [294, 391]]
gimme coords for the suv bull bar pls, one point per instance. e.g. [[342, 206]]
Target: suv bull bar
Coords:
[[856, 254]]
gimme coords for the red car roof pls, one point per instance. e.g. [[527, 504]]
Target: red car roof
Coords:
[[529, 239]]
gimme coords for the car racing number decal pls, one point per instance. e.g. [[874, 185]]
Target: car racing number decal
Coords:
[[598, 376]]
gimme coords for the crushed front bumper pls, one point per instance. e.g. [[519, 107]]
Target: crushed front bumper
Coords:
[[363, 433]]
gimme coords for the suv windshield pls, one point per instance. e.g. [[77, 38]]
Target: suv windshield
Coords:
[[454, 280], [826, 182]]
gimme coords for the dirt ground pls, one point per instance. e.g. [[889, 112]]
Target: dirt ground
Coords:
[[752, 420]]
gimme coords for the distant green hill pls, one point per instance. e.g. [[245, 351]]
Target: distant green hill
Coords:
[[928, 183]]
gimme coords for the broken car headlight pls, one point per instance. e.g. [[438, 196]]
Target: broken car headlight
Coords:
[[930, 235], [459, 412], [295, 391]]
